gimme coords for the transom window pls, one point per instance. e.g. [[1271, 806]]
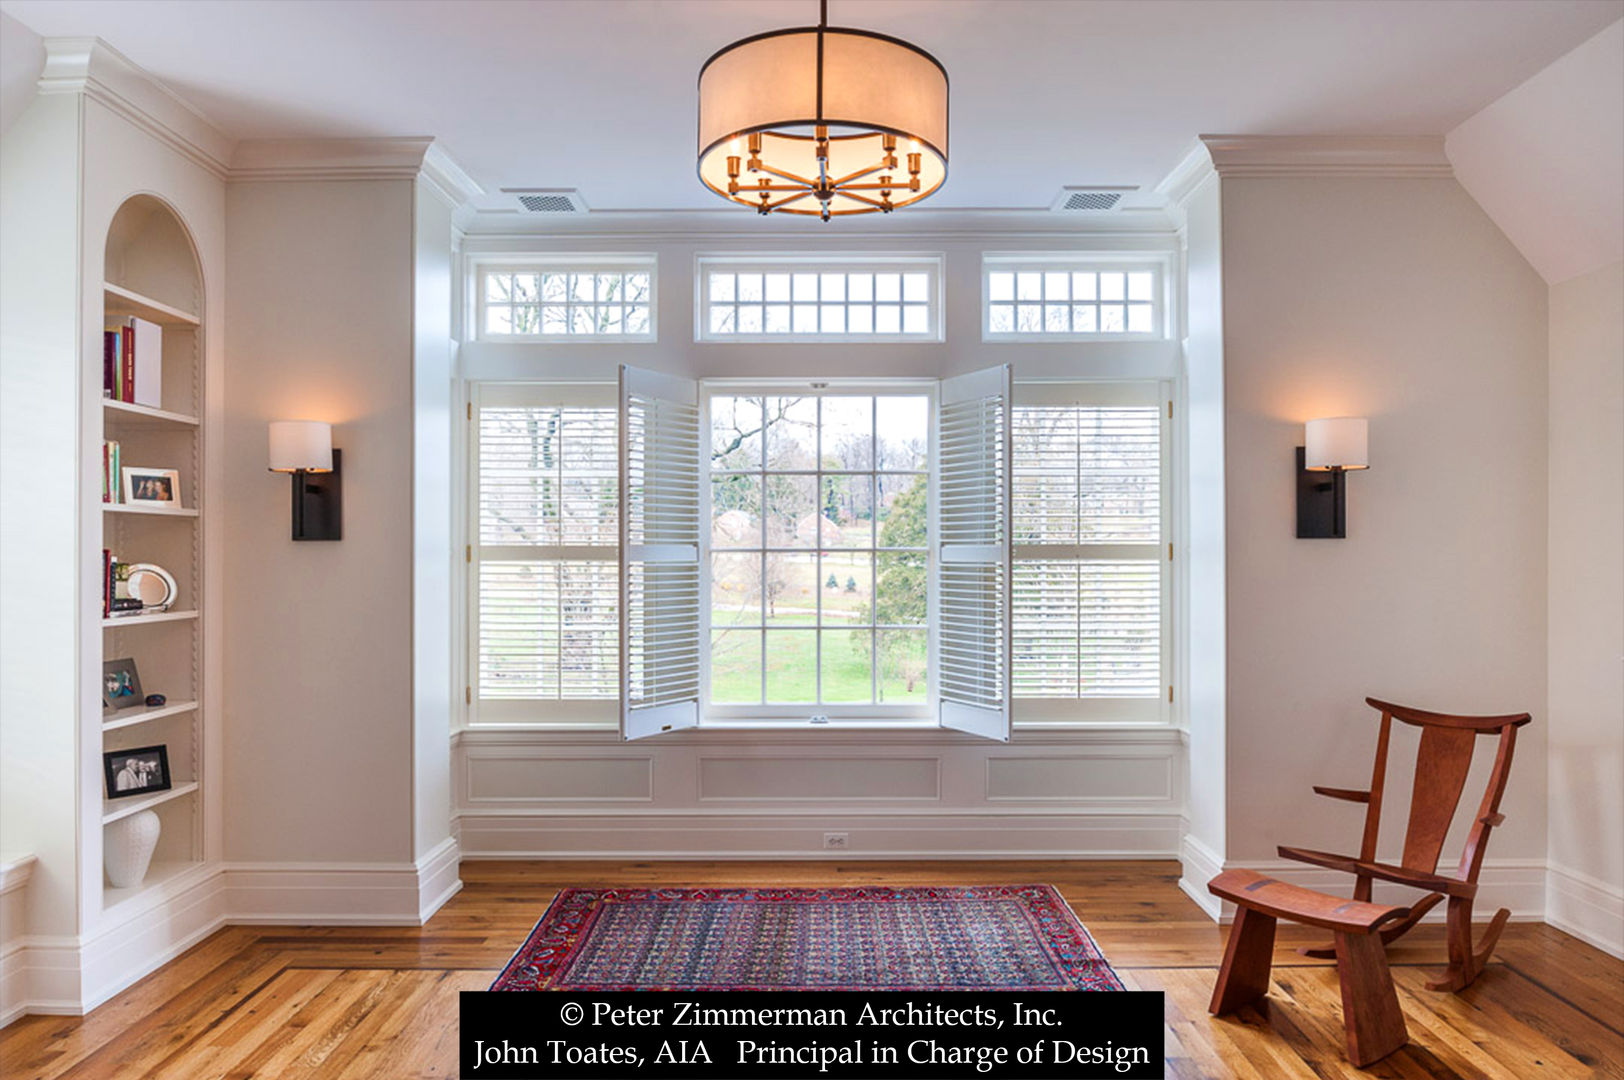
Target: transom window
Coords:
[[565, 300], [819, 595], [1031, 299], [895, 300]]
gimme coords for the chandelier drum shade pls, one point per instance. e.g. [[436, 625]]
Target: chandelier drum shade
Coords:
[[823, 120]]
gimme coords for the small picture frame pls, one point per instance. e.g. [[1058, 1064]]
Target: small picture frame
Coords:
[[140, 771], [152, 487], [121, 684]]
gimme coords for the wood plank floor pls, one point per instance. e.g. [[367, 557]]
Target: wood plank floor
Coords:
[[382, 1002]]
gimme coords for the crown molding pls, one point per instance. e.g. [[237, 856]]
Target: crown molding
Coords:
[[90, 66], [1134, 226], [329, 159], [1189, 174], [447, 179], [1398, 156]]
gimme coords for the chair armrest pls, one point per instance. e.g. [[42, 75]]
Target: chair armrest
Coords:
[[1398, 874], [1345, 794]]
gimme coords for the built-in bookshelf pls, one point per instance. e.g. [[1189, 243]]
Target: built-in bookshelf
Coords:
[[152, 274]]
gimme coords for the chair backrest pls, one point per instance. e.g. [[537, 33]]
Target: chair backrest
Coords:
[[1441, 763]]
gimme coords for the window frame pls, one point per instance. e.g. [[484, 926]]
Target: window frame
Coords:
[[1159, 264], [798, 716], [790, 263], [480, 268], [521, 713], [1096, 711]]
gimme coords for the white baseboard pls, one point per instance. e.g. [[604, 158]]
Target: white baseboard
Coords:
[[339, 894], [1589, 909], [1200, 865], [755, 835], [70, 976]]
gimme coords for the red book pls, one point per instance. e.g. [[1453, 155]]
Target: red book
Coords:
[[127, 373], [109, 362]]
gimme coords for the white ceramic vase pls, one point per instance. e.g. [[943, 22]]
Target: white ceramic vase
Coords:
[[127, 847]]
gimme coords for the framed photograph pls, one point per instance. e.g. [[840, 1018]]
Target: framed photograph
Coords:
[[121, 684], [140, 771], [152, 487]]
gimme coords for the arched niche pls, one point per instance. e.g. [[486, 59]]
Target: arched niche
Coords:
[[150, 251]]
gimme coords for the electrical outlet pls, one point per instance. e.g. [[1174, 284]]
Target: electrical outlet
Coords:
[[836, 841]]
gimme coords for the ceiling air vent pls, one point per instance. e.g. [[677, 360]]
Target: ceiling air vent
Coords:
[[548, 200], [1074, 200]]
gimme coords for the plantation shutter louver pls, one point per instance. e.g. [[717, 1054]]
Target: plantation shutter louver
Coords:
[[659, 553], [973, 554], [1090, 558], [545, 593]]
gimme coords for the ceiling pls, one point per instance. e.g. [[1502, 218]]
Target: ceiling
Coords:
[[599, 94]]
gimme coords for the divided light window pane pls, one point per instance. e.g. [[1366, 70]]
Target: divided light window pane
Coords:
[[893, 300], [1088, 610], [1052, 302], [547, 573], [818, 569], [567, 301]]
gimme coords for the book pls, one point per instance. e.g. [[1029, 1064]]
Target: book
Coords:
[[126, 371], [146, 363], [109, 362]]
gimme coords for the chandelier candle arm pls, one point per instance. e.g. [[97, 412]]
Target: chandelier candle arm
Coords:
[[818, 112]]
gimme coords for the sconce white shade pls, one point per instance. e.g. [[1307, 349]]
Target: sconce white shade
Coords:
[[301, 444], [1341, 442]]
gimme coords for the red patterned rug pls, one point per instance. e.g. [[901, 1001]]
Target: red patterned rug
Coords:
[[985, 937]]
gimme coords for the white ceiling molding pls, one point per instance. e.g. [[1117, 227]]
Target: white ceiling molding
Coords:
[[1402, 156], [90, 66], [329, 159], [1185, 177], [447, 179]]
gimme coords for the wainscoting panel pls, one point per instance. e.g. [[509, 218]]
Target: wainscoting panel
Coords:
[[1074, 792], [819, 779]]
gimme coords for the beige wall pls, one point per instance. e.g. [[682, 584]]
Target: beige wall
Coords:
[[318, 636], [1398, 300], [1586, 713]]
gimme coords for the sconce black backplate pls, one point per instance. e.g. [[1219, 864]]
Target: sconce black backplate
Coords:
[[318, 503], [1321, 503]]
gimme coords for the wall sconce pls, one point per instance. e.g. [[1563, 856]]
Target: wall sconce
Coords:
[[305, 449], [1334, 446]]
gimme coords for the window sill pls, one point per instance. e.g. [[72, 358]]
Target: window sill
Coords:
[[915, 732]]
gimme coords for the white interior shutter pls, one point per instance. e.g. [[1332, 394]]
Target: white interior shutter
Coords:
[[973, 554], [659, 553]]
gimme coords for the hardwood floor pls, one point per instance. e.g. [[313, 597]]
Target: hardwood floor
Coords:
[[382, 1002]]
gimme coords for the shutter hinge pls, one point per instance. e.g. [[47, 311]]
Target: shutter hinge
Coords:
[[1170, 410], [468, 553], [1169, 552], [1170, 695], [471, 410], [468, 695]]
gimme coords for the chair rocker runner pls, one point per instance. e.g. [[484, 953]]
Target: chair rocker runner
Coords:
[[1442, 761]]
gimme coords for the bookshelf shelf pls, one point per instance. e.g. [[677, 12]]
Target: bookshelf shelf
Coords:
[[130, 414], [158, 874], [123, 808], [149, 511], [113, 622], [130, 717], [122, 301]]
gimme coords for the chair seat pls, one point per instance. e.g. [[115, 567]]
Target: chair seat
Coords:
[[1269, 896]]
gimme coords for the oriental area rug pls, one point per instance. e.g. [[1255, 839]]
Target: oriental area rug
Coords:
[[984, 937]]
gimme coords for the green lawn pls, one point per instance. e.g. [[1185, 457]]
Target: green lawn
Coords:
[[792, 662]]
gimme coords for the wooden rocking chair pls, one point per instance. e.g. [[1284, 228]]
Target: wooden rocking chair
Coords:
[[1441, 765]]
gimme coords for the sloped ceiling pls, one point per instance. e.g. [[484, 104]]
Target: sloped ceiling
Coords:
[[1546, 161]]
